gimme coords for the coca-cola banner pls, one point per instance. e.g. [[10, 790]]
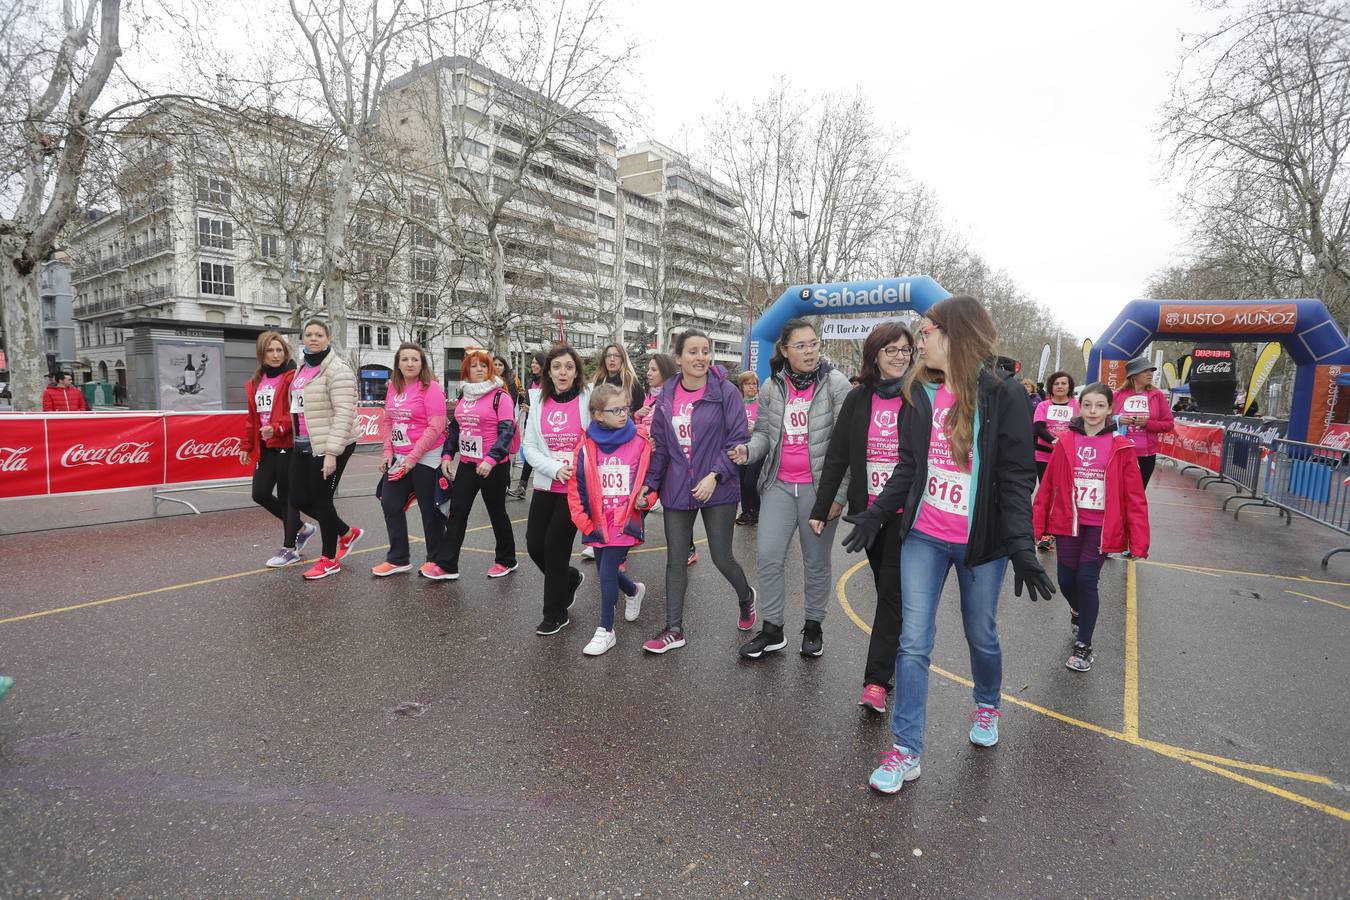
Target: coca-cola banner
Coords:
[[23, 457], [204, 447], [1337, 436], [1200, 445], [90, 453], [369, 424]]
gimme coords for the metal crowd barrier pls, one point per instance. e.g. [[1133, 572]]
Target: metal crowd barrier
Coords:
[[1243, 465], [1311, 481]]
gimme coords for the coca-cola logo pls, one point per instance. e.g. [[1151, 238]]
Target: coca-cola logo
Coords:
[[1337, 437], [1223, 367], [14, 459], [368, 424], [127, 453], [221, 449]]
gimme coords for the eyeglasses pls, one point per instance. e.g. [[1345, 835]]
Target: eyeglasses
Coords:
[[803, 346], [617, 410], [613, 356], [928, 330], [893, 352]]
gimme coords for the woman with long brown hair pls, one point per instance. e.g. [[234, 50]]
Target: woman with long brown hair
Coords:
[[614, 367], [964, 479], [414, 410]]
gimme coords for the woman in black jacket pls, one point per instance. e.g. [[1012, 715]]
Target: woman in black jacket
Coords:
[[864, 442], [964, 481]]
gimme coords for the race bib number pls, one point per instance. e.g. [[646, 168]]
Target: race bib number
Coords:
[[298, 402], [1061, 413], [398, 434], [684, 430], [878, 473], [948, 491], [471, 446], [263, 399], [1135, 406], [794, 421], [1089, 493], [614, 480]]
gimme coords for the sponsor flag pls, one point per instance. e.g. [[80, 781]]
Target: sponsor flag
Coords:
[[1087, 352], [1170, 371], [1265, 364], [1045, 361], [1186, 368]]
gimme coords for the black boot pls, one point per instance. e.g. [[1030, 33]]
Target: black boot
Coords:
[[813, 642], [769, 639]]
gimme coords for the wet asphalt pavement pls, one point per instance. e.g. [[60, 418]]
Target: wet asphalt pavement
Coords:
[[218, 729]]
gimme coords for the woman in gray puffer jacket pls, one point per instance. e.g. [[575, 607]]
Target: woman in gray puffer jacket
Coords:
[[797, 411]]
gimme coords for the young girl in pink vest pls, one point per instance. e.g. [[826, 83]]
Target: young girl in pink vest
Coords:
[[609, 468]]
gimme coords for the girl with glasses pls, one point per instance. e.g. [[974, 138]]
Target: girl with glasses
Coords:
[[865, 446], [797, 411], [964, 483]]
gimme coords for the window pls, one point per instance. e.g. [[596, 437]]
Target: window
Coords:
[[269, 246], [422, 206], [604, 220], [423, 305], [382, 303], [363, 335], [272, 322], [605, 245], [215, 233], [637, 293], [217, 279], [213, 190], [423, 337], [607, 196], [382, 336], [422, 237], [424, 268]]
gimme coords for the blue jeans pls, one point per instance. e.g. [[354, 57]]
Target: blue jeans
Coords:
[[924, 563], [608, 560]]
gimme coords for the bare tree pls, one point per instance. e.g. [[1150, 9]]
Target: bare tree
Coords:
[[50, 88]]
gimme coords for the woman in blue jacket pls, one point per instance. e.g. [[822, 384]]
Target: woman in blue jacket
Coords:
[[700, 418]]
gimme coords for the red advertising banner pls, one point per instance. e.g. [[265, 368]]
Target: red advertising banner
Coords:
[[369, 424], [1111, 373], [1337, 436], [1208, 318], [204, 447], [1200, 445], [23, 457], [89, 453], [1323, 408]]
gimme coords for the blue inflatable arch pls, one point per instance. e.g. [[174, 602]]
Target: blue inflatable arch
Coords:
[[888, 295], [1310, 336]]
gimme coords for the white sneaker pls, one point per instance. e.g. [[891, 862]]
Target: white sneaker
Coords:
[[602, 641], [633, 605], [588, 552]]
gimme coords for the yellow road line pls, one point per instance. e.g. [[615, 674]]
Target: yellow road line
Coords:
[[1318, 599], [1131, 654], [1210, 570], [1205, 761]]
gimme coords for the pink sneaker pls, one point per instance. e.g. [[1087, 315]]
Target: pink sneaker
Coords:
[[347, 541], [436, 573], [873, 698], [323, 568], [670, 639], [498, 570], [747, 619]]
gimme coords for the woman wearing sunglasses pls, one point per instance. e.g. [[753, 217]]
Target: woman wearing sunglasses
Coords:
[[864, 444], [964, 481]]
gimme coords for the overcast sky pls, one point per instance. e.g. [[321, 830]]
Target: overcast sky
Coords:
[[1034, 121]]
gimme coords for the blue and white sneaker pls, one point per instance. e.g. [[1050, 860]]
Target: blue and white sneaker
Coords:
[[5, 684], [984, 725], [285, 557], [302, 538], [898, 765]]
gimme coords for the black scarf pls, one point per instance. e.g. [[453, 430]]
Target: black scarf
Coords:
[[274, 371], [568, 395], [889, 389], [313, 359], [801, 380]]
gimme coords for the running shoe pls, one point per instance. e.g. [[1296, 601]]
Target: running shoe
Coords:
[[742, 519], [303, 535], [602, 640], [898, 765], [693, 556], [873, 698], [813, 642], [588, 552], [498, 570], [285, 557], [548, 626], [347, 541], [1081, 658], [769, 640], [516, 493], [5, 684], [670, 639], [579, 578], [436, 573], [984, 725], [323, 568], [1046, 543], [748, 614], [385, 569], [632, 606]]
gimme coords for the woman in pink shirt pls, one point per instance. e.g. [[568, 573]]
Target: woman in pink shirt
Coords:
[[479, 433], [414, 412], [1143, 409], [1050, 421], [749, 385]]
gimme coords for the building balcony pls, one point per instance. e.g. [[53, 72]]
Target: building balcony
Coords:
[[145, 296], [148, 166], [134, 211], [149, 249]]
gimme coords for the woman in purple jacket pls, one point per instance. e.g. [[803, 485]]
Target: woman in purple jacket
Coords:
[[700, 418]]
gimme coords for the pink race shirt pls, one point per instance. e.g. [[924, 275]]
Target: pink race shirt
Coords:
[[1056, 417], [794, 466], [265, 395], [478, 424], [1089, 478], [944, 509], [682, 418], [409, 411], [304, 376], [1135, 403], [560, 424], [618, 474], [752, 413], [883, 444]]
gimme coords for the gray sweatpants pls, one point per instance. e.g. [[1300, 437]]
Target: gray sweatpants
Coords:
[[785, 509]]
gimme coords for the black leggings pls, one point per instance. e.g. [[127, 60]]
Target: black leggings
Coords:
[[884, 558], [313, 494], [1146, 464], [421, 481], [468, 484], [549, 535], [273, 471]]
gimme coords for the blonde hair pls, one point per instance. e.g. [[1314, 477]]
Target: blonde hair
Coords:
[[264, 339], [601, 395]]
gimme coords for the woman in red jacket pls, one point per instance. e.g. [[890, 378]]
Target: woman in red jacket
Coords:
[[269, 434], [1092, 501], [1143, 408]]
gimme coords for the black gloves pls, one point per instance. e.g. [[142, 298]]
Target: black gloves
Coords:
[[1027, 570], [864, 533]]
